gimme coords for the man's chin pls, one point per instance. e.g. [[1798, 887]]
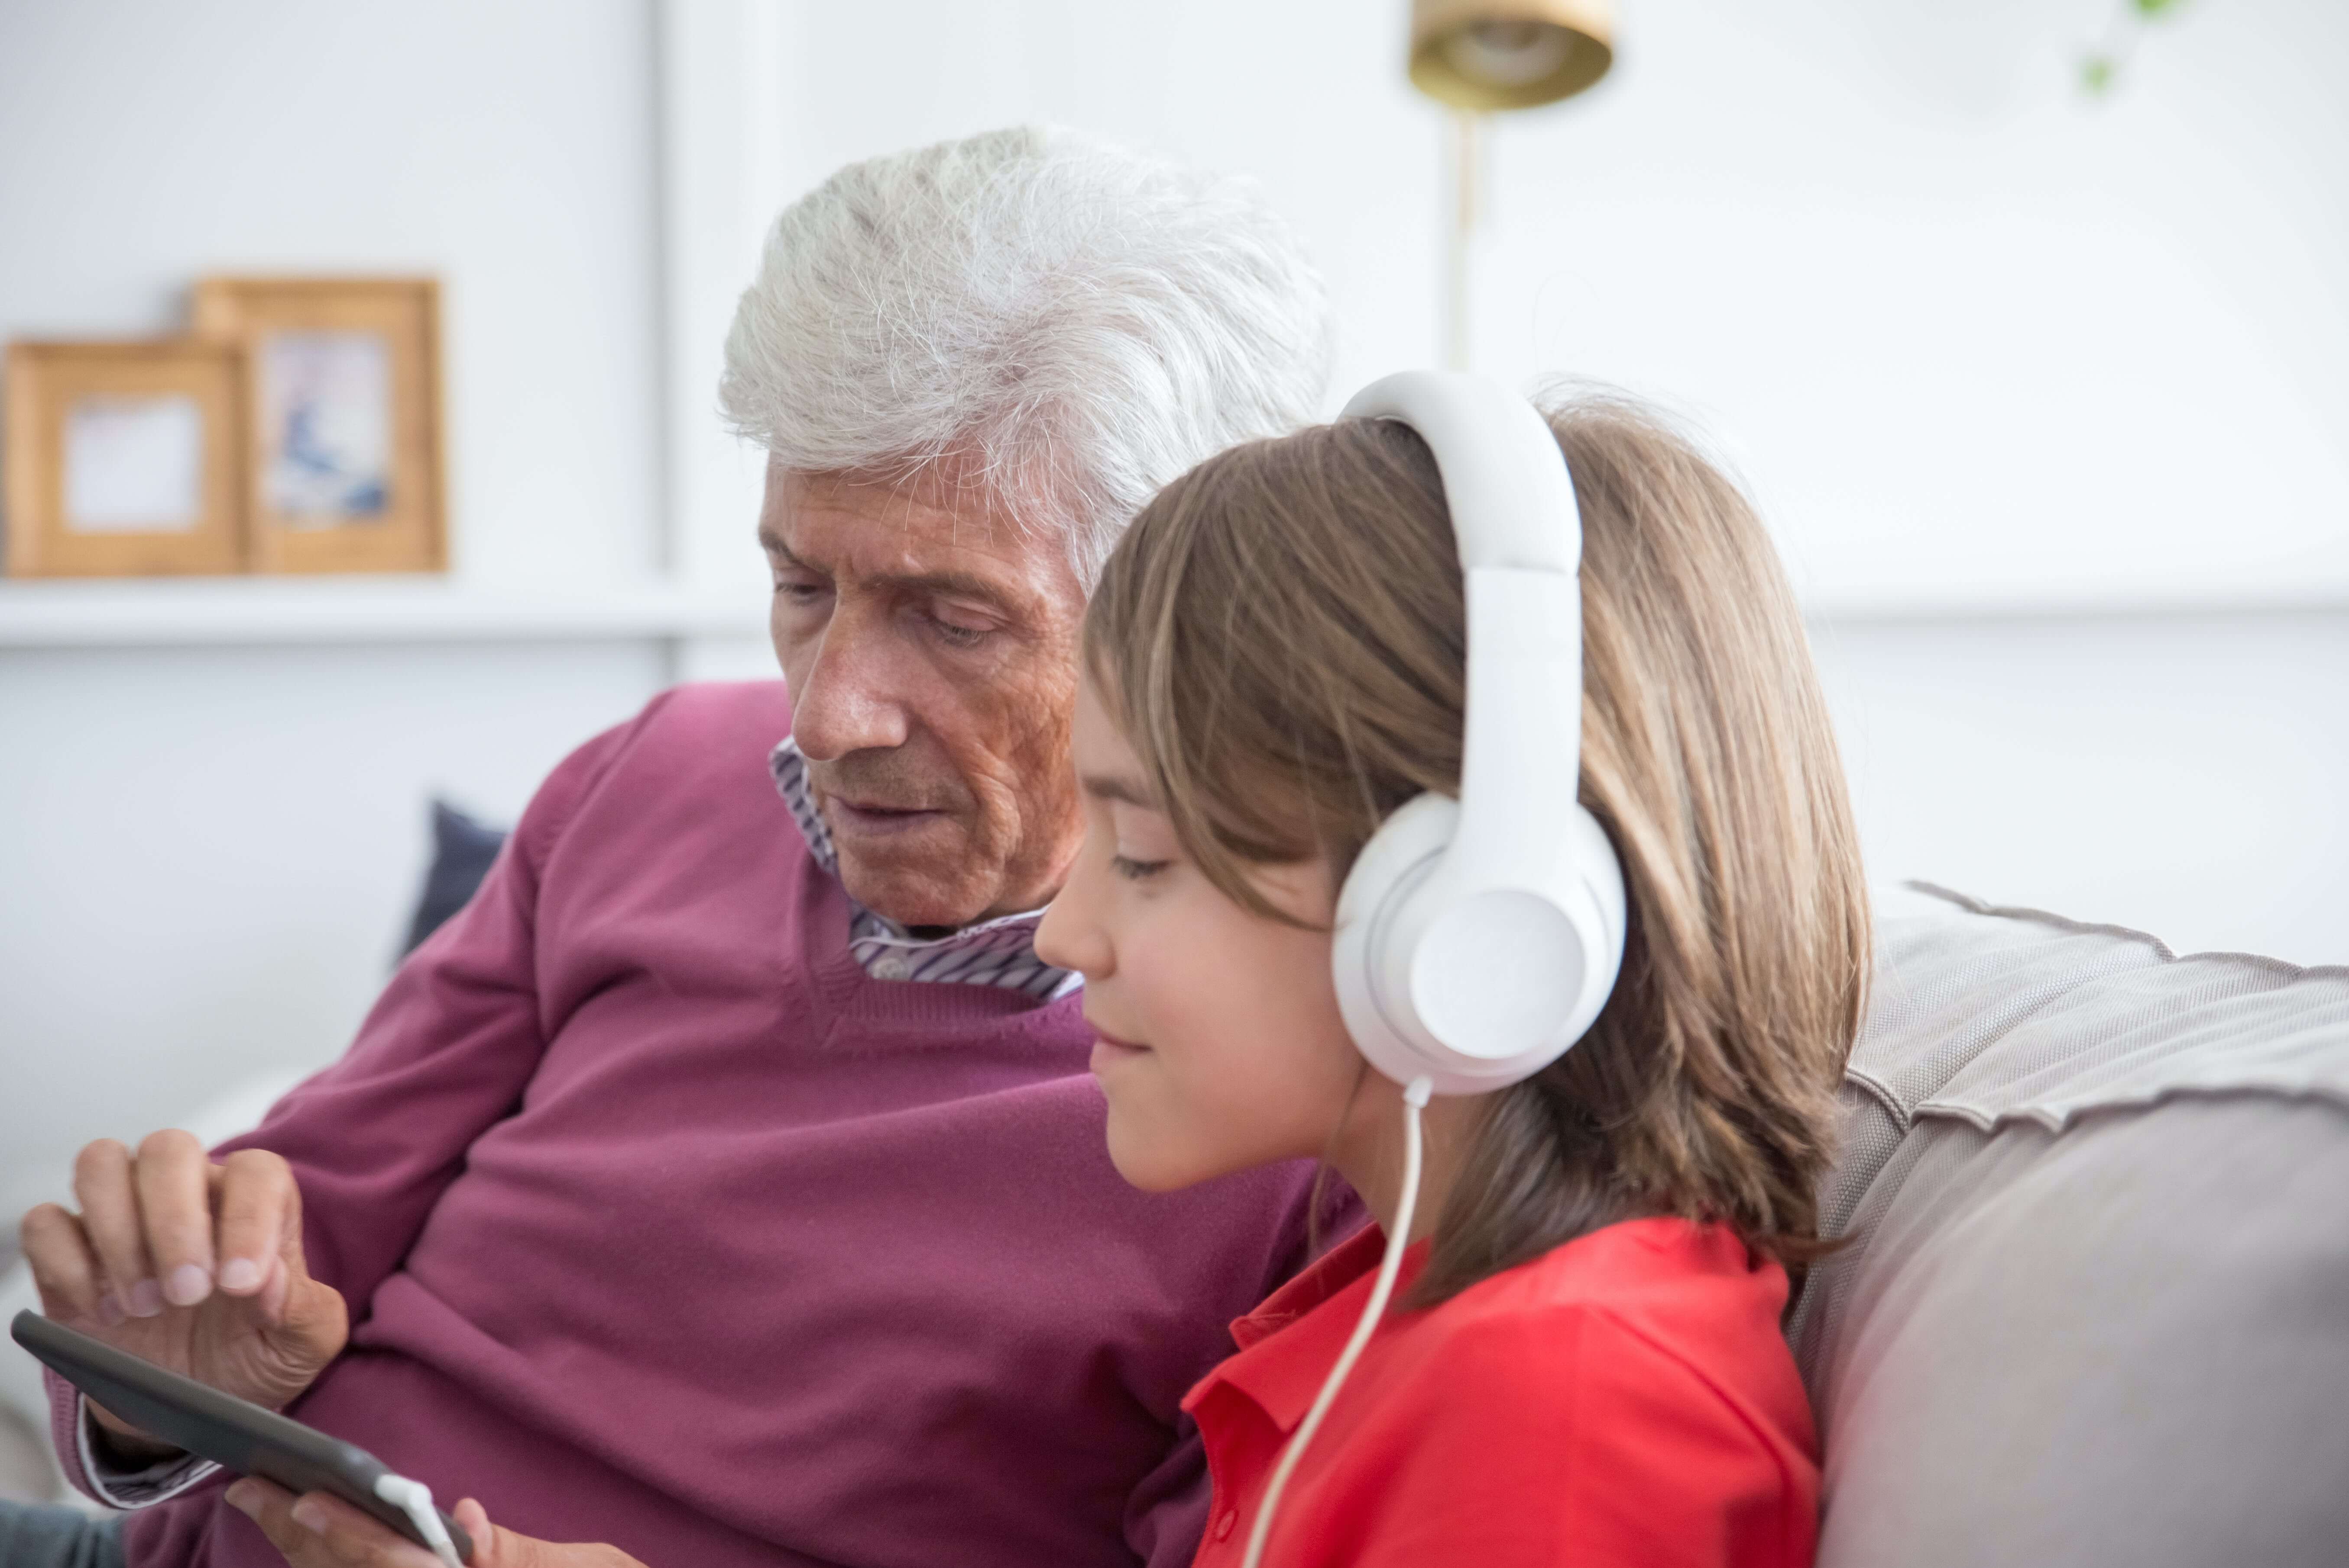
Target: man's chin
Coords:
[[920, 881]]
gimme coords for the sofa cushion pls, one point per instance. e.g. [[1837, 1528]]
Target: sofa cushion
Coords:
[[462, 851], [2094, 1301]]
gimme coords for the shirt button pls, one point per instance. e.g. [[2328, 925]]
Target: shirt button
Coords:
[[892, 967], [1224, 1525]]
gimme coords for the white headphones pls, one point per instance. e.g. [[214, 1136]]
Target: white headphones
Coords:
[[1477, 940]]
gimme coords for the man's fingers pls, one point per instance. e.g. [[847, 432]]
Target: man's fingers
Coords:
[[110, 1215], [65, 1268], [173, 1176], [271, 1507], [474, 1521], [319, 1530], [358, 1539], [258, 1206], [494, 1547]]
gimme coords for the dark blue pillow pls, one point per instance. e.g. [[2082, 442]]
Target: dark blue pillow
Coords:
[[462, 850]]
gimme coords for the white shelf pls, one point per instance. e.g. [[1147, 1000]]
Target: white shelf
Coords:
[[1882, 608], [264, 611], [267, 610]]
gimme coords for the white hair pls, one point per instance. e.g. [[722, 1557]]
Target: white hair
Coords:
[[1078, 323]]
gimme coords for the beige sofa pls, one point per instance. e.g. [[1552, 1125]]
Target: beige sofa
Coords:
[[2094, 1303]]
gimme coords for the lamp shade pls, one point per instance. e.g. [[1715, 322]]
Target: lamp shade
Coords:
[[1509, 54]]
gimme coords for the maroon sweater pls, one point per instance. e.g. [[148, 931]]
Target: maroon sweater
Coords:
[[663, 1224]]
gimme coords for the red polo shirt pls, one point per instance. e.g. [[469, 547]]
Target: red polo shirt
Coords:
[[1625, 1399]]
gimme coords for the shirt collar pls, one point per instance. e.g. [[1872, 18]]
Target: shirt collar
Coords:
[[1288, 1346], [998, 952]]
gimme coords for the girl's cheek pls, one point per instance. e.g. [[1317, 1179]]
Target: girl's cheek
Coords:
[[1187, 1116], [1153, 1139]]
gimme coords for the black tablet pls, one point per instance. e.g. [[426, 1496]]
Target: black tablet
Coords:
[[229, 1431]]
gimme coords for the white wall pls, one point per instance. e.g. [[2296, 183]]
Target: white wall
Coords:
[[2181, 774], [1972, 337], [209, 853]]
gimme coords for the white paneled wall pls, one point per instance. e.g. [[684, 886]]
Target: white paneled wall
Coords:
[[2182, 773]]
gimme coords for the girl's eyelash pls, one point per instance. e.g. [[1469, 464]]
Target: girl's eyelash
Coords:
[[1136, 871]]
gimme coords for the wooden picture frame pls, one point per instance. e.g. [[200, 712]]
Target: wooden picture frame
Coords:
[[342, 392], [124, 459]]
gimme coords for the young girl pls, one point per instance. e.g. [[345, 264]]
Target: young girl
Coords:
[[1585, 1364]]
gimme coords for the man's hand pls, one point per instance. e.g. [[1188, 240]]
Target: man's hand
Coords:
[[318, 1531], [191, 1265]]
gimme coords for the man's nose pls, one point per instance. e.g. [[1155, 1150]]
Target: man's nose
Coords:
[[848, 701]]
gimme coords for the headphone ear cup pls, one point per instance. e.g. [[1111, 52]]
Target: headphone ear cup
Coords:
[[1494, 978], [1475, 988], [1394, 864], [1601, 910]]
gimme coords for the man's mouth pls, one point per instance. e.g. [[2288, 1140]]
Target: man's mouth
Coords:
[[869, 821]]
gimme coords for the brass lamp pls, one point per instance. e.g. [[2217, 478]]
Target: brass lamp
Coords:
[[1479, 56], [1484, 55]]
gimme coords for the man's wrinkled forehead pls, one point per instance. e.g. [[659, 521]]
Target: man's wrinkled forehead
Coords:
[[924, 531]]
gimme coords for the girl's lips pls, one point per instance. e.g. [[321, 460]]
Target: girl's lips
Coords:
[[1108, 1047]]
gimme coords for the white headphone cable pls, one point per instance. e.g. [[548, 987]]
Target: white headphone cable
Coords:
[[1413, 1098]]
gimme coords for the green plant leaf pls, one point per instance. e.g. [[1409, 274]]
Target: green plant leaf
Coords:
[[2096, 73], [2152, 8]]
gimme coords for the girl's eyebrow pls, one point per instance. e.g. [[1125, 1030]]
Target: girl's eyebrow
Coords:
[[1118, 786]]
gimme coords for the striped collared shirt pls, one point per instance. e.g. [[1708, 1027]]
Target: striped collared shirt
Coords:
[[998, 951]]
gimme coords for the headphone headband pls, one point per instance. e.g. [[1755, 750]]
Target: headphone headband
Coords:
[[1505, 479], [1520, 538], [1478, 940]]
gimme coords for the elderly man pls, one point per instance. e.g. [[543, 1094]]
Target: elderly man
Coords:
[[726, 1182]]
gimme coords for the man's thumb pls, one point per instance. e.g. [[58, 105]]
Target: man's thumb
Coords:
[[313, 1323], [494, 1547]]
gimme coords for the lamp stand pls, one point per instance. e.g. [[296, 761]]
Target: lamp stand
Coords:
[[1466, 137]]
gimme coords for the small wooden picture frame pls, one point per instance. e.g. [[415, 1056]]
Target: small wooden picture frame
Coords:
[[124, 459], [342, 465]]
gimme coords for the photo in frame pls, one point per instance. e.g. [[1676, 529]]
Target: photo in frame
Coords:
[[342, 393], [124, 459]]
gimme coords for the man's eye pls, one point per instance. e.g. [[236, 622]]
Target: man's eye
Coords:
[[959, 636], [798, 593], [1137, 871]]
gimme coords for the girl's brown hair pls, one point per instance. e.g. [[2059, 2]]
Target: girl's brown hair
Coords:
[[1282, 634]]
